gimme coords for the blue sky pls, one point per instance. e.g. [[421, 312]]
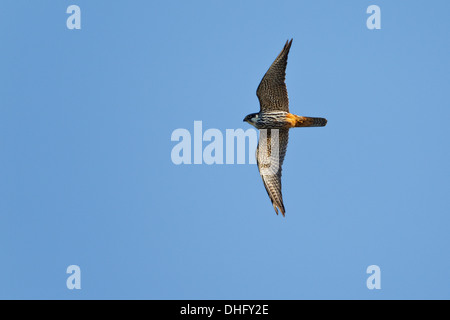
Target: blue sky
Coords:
[[86, 175]]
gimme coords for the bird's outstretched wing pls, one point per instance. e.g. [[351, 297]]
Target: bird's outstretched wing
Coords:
[[272, 92], [270, 155]]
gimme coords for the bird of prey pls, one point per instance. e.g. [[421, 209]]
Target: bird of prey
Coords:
[[274, 121]]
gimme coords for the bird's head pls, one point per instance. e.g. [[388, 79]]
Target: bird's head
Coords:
[[251, 118]]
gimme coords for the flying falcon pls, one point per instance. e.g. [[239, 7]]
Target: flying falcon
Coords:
[[274, 121]]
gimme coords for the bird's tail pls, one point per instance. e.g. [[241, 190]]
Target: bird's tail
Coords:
[[310, 122]]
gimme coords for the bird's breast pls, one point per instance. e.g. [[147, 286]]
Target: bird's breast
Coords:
[[276, 120]]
